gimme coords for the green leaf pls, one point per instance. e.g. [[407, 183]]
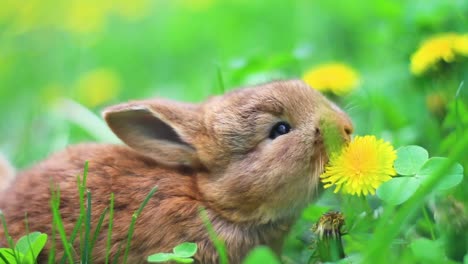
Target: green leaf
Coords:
[[160, 257], [185, 250], [410, 159], [427, 251], [31, 245], [398, 190], [8, 255], [181, 259], [452, 178], [314, 212], [261, 254]]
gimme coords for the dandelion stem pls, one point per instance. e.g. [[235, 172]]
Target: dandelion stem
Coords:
[[328, 232], [429, 222]]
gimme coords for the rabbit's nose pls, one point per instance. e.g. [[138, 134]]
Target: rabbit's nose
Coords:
[[343, 123], [346, 127]]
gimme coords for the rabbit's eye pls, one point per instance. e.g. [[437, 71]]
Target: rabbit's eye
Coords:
[[279, 129]]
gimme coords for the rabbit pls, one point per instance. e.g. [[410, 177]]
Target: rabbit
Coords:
[[252, 158]]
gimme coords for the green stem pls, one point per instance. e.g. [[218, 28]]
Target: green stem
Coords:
[[10, 242], [87, 246], [109, 230], [217, 242], [58, 224], [429, 222]]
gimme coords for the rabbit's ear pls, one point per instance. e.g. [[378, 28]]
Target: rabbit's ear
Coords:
[[162, 130]]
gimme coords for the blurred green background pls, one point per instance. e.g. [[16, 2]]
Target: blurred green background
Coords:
[[98, 53], [62, 62]]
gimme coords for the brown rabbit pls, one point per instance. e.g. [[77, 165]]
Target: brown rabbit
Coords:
[[251, 157]]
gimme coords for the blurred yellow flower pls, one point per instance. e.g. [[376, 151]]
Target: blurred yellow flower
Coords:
[[85, 16], [76, 16], [361, 167], [97, 87], [90, 16], [461, 45], [22, 16], [444, 47], [334, 77]]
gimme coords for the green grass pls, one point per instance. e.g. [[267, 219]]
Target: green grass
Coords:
[[83, 227], [218, 243], [133, 222], [109, 229]]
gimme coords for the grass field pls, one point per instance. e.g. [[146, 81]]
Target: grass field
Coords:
[[402, 68]]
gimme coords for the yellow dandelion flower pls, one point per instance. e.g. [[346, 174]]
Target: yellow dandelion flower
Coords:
[[461, 45], [445, 47], [361, 167], [97, 87], [334, 77]]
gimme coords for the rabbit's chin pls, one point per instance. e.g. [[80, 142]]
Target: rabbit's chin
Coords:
[[305, 194], [300, 193], [320, 164]]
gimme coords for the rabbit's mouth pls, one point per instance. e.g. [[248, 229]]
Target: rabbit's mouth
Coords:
[[318, 163], [322, 163], [321, 156]]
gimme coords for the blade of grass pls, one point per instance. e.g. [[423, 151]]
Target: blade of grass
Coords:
[[459, 127], [391, 223], [73, 235], [134, 218], [81, 191], [109, 230], [117, 255], [97, 230], [79, 222], [58, 224], [218, 243], [429, 223], [86, 252], [84, 118], [85, 173], [51, 257], [10, 242], [28, 238], [220, 79]]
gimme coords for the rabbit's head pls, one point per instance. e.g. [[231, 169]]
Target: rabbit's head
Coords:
[[258, 152]]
